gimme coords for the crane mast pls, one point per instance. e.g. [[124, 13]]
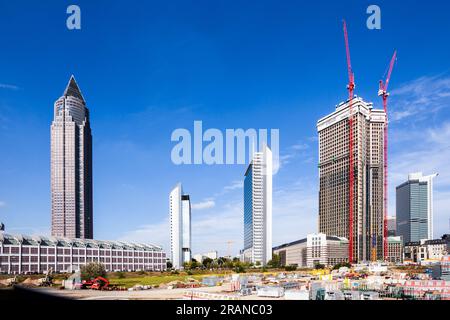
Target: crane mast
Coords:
[[382, 92], [350, 88]]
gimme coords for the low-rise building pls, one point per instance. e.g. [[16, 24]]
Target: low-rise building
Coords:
[[427, 251], [441, 270], [314, 249], [21, 254], [395, 250], [213, 255], [292, 253]]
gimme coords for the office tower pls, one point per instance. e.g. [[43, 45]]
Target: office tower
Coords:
[[415, 208], [180, 227], [368, 216], [258, 208], [71, 166], [186, 228]]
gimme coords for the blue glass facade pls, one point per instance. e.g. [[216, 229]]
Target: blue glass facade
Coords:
[[248, 212], [412, 211]]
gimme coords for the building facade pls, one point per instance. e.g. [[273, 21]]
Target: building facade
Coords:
[[180, 227], [258, 208], [313, 250], [71, 166], [441, 270], [392, 226], [395, 250], [368, 192], [426, 251], [415, 208], [20, 254]]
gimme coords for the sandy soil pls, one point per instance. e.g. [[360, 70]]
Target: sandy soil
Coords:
[[152, 294]]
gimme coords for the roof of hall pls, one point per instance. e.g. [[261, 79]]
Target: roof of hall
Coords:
[[66, 242]]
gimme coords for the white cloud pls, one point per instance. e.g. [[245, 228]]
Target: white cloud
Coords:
[[157, 234], [420, 98], [236, 184], [300, 146], [293, 152], [207, 204], [31, 231], [2, 204]]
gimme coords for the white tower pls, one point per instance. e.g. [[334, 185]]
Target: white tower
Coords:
[[180, 227], [258, 208]]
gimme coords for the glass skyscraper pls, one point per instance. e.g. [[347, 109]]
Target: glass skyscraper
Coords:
[[258, 208], [414, 206], [71, 166], [180, 227]]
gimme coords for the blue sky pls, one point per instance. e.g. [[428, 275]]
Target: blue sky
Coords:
[[146, 69]]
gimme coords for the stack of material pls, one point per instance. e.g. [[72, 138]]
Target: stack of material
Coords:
[[296, 295], [138, 287], [270, 291], [175, 284], [211, 281]]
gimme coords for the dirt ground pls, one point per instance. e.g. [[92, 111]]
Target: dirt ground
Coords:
[[152, 294]]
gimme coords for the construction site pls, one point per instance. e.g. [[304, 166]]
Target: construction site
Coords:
[[362, 282]]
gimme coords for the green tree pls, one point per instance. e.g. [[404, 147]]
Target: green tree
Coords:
[[221, 261], [194, 264], [275, 262], [239, 268], [169, 265], [343, 264], [207, 262], [214, 264], [319, 266], [228, 263], [291, 267], [92, 270]]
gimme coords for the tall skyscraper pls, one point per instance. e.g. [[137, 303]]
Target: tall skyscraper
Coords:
[[71, 166], [415, 208], [368, 215], [180, 227], [258, 208]]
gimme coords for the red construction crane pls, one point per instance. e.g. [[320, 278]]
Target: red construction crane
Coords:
[[350, 88], [382, 92]]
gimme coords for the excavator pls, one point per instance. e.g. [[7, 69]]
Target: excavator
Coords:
[[47, 280], [98, 283]]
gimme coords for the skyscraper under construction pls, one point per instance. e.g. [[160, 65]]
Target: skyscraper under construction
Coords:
[[334, 166]]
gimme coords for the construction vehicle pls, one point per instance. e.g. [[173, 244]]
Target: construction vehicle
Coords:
[[98, 283], [47, 281], [11, 281]]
